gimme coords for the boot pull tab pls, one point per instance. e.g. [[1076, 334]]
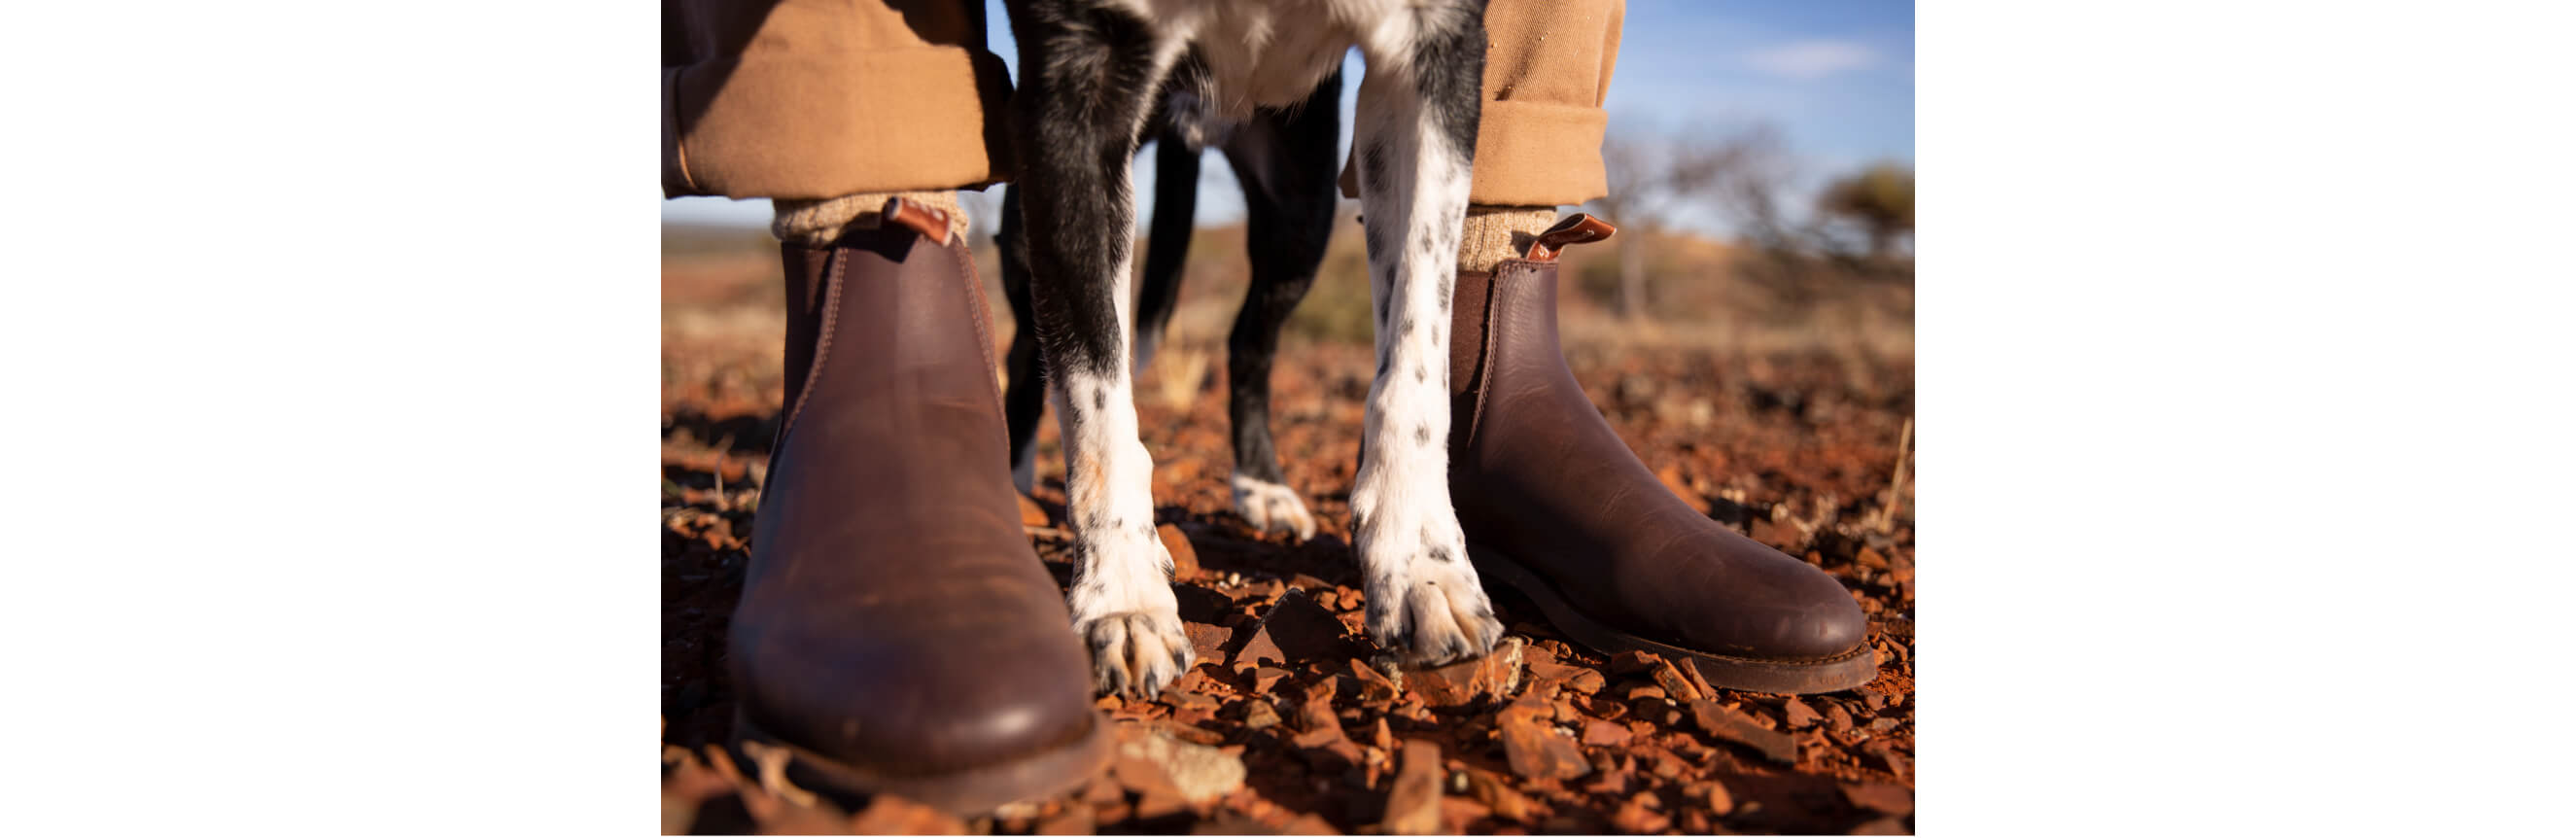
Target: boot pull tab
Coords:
[[1579, 228], [932, 224]]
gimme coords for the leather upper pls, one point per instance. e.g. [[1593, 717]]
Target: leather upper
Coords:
[[894, 615], [1536, 473]]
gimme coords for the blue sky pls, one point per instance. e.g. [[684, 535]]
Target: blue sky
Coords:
[[1836, 77]]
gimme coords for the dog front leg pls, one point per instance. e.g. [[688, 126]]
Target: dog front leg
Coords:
[[1417, 138], [1086, 75]]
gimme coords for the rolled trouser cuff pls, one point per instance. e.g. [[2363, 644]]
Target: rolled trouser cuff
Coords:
[[818, 125], [1538, 154]]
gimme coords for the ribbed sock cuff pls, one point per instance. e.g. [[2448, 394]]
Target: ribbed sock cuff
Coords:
[[1494, 234], [820, 223]]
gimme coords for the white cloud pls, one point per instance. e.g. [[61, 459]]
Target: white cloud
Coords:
[[1812, 59]]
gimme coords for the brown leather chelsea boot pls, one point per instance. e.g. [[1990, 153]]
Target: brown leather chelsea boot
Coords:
[[896, 632], [1556, 506]]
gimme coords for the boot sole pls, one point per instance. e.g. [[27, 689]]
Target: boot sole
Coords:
[[1764, 675], [966, 793]]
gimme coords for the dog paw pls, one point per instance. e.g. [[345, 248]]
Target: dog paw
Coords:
[[1136, 653], [1270, 506], [1425, 603], [1124, 610]]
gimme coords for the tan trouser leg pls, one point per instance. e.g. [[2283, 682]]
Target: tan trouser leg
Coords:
[[822, 99]]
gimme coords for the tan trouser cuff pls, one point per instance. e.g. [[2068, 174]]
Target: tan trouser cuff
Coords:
[[1531, 154], [816, 125]]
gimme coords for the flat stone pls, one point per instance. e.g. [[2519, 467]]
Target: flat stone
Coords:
[[1207, 640], [1798, 715], [1260, 715], [1535, 749], [1732, 726], [1196, 774], [1630, 663], [1605, 734], [1031, 514], [1675, 684], [1883, 798], [1492, 677], [1413, 803]]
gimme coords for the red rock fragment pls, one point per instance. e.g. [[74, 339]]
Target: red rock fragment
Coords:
[[1630, 663], [1262, 648], [1159, 804], [1732, 726], [1207, 640], [1294, 630], [1716, 797], [1635, 818], [1798, 715], [1534, 748], [891, 815], [1031, 514], [1883, 798], [1883, 826], [1375, 687], [1604, 734], [1072, 820], [1492, 790], [1458, 814], [1837, 719], [1493, 676], [1263, 678], [1784, 535], [1413, 803]]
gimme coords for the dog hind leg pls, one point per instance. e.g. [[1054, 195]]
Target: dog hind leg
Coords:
[[1287, 164], [1167, 244]]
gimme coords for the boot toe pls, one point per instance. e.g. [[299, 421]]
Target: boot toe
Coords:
[[917, 707], [1760, 603]]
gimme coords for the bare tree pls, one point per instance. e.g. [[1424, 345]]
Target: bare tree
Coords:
[[1653, 175]]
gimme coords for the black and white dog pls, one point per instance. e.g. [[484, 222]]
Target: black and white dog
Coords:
[[1286, 161], [1091, 72]]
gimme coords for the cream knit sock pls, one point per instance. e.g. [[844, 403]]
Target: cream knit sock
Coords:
[[819, 223], [1494, 234]]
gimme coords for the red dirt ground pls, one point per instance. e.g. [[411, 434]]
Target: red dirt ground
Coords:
[[1800, 450]]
